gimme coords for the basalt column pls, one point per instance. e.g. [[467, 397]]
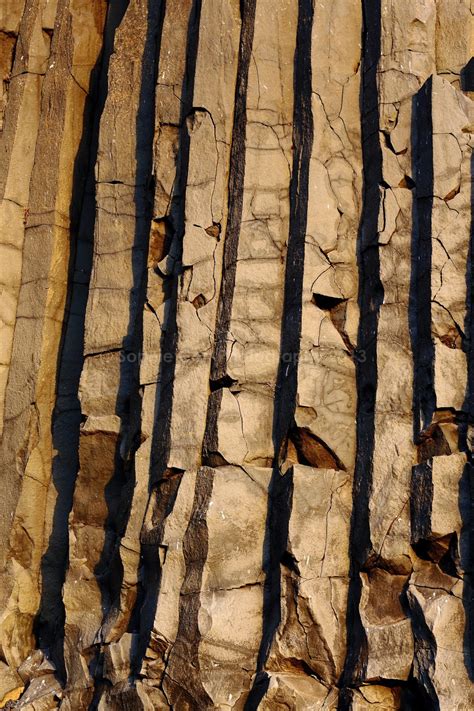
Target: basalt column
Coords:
[[236, 355]]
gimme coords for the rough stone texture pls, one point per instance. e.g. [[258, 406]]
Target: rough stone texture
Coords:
[[236, 355]]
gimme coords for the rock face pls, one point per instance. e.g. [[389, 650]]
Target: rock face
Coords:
[[237, 355]]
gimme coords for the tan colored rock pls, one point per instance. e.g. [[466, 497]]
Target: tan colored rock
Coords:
[[11, 685], [315, 597], [445, 514], [298, 692], [376, 697], [48, 145], [235, 354], [42, 694], [117, 659], [35, 665], [388, 629], [453, 38], [444, 615]]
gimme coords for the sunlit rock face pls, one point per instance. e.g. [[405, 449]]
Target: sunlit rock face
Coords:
[[236, 355]]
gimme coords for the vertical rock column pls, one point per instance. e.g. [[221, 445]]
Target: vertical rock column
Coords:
[[246, 359], [22, 78], [307, 656], [180, 23], [438, 590], [109, 382], [51, 81], [405, 63]]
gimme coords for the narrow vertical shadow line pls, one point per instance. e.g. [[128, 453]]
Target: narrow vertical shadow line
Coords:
[[235, 192], [218, 376], [421, 502], [424, 397], [281, 484], [165, 484], [466, 489], [419, 316], [424, 696], [164, 398], [66, 420], [370, 299]]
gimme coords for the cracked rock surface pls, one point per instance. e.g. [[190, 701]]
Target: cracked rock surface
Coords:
[[236, 355]]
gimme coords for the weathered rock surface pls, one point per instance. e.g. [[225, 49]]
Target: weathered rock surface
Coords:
[[236, 355]]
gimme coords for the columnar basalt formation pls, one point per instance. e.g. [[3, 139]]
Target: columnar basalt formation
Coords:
[[237, 355]]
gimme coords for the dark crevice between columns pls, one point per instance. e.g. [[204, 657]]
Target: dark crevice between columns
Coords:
[[164, 484], [66, 421], [281, 485], [424, 397], [421, 501], [370, 299], [466, 430], [182, 682], [439, 550], [423, 695], [219, 377], [119, 491]]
